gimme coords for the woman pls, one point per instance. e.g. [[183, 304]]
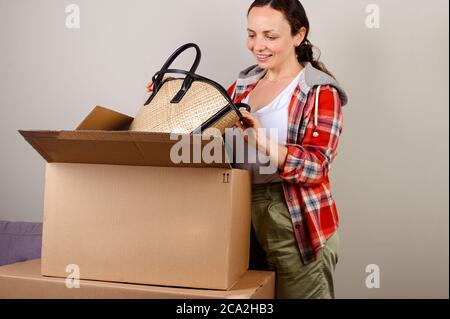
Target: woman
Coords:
[[294, 216]]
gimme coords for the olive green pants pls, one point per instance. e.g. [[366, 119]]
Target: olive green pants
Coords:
[[274, 247]]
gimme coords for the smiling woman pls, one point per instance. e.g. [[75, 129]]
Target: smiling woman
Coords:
[[269, 38], [294, 216]]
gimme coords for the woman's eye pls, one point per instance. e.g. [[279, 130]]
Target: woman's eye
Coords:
[[251, 36]]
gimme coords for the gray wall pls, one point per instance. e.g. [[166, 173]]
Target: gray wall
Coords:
[[390, 180]]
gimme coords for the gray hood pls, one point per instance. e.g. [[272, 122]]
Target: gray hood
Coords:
[[310, 77]]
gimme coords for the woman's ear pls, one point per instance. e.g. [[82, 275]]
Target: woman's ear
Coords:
[[300, 36]]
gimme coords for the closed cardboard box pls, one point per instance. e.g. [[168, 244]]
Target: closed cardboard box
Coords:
[[119, 208], [23, 280]]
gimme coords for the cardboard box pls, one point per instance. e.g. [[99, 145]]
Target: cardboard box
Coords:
[[23, 280], [144, 219]]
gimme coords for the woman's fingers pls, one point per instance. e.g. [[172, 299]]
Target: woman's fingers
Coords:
[[149, 86], [239, 125], [247, 119]]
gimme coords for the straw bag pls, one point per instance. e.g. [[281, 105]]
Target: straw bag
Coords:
[[190, 105]]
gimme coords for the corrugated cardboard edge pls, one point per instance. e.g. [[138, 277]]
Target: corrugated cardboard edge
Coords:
[[30, 139], [237, 198], [267, 289], [42, 269], [23, 280]]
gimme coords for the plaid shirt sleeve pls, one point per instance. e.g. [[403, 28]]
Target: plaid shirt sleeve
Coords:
[[308, 163]]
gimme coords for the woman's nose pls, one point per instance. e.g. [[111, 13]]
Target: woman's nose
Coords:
[[259, 45]]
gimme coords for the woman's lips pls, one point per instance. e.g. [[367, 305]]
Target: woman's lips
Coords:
[[263, 57]]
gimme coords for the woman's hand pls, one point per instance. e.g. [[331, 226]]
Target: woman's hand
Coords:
[[249, 127], [149, 86]]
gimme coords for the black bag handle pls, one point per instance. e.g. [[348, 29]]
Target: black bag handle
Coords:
[[219, 88], [157, 82]]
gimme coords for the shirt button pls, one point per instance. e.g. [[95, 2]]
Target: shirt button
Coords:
[[290, 199], [297, 226]]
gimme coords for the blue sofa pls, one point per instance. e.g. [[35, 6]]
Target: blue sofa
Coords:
[[19, 241]]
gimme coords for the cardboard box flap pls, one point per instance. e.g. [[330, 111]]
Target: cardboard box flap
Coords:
[[126, 148], [105, 119]]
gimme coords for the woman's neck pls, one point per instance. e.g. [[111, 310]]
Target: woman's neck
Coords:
[[288, 70]]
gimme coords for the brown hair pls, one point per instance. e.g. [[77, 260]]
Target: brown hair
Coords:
[[296, 16]]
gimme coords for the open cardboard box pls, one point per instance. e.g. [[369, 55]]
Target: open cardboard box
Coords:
[[103, 138], [121, 210]]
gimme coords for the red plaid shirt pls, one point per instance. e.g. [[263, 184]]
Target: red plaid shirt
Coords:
[[304, 177]]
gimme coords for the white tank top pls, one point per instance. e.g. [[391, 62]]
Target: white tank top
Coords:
[[272, 116]]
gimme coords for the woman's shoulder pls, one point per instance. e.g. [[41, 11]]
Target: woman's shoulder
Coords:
[[246, 77], [250, 71]]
